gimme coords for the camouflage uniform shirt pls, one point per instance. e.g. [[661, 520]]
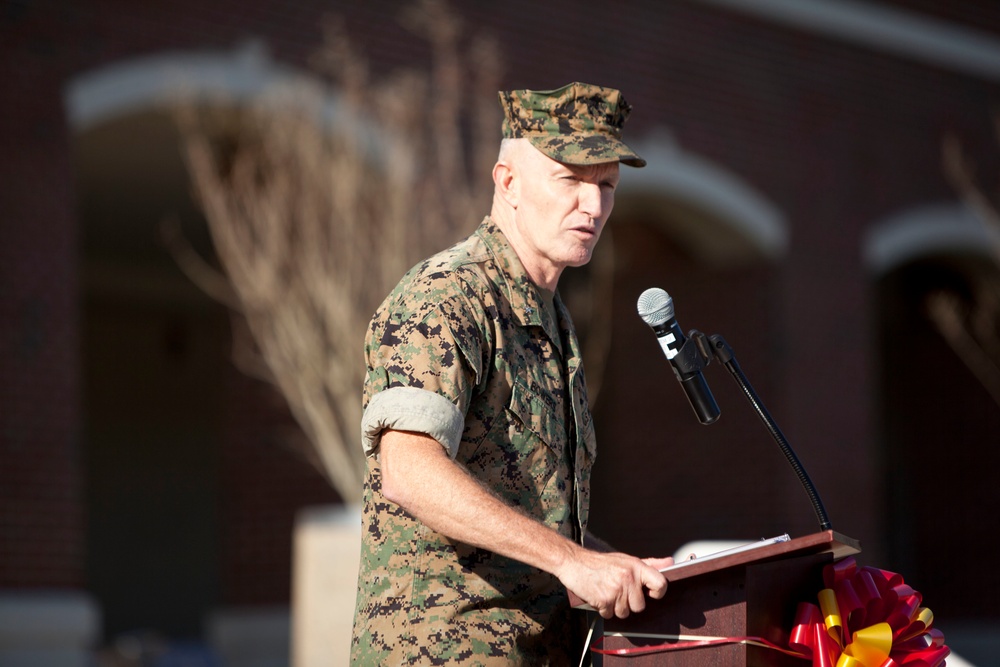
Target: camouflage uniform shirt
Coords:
[[468, 350]]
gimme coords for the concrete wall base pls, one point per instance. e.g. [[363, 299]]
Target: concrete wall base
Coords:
[[324, 584], [250, 637], [51, 628]]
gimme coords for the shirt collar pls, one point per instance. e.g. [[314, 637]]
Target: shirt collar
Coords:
[[527, 300]]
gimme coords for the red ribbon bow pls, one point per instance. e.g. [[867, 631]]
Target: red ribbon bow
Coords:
[[867, 617]]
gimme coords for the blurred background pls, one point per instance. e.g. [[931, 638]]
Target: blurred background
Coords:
[[201, 204]]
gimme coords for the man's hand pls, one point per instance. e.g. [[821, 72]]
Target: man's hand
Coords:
[[614, 584]]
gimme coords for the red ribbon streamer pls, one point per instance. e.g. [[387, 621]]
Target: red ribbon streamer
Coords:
[[687, 644]]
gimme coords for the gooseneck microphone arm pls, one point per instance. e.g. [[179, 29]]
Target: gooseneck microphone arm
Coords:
[[724, 353], [688, 356]]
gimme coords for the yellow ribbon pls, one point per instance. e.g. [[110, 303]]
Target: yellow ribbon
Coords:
[[923, 618], [831, 616], [847, 661], [870, 647]]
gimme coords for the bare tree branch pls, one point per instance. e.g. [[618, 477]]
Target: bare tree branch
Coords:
[[314, 214], [961, 173], [973, 332], [944, 310]]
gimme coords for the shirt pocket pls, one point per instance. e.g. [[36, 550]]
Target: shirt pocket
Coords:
[[537, 414], [523, 455]]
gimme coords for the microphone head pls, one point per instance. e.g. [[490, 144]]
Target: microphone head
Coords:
[[655, 306]]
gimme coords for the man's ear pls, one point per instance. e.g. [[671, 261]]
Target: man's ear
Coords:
[[508, 183]]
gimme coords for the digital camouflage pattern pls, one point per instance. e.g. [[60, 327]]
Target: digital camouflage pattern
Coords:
[[577, 124], [469, 325]]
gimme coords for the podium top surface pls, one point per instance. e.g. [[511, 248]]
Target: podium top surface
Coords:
[[828, 541]]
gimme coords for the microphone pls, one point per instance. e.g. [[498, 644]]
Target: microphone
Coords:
[[656, 309]]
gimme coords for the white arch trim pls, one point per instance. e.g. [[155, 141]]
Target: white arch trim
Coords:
[[136, 84], [932, 228], [246, 73], [902, 32], [676, 174]]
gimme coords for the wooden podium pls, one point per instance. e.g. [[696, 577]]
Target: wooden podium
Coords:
[[753, 592]]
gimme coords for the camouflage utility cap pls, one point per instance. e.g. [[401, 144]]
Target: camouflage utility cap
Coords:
[[576, 124]]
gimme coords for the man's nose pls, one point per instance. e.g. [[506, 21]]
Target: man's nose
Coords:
[[592, 200]]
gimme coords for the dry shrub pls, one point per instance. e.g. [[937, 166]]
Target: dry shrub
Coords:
[[321, 194]]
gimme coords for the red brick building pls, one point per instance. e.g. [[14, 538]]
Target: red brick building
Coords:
[[794, 202]]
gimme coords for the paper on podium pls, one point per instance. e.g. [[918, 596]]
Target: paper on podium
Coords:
[[728, 552]]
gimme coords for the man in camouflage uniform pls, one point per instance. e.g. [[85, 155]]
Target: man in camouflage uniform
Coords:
[[476, 425]]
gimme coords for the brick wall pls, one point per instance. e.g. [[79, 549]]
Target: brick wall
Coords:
[[40, 482], [266, 478]]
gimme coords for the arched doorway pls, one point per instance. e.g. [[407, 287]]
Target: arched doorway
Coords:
[[154, 350], [934, 271], [191, 495]]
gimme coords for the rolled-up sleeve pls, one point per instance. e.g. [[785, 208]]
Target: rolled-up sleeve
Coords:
[[412, 409]]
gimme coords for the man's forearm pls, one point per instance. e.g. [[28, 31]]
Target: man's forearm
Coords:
[[418, 476]]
